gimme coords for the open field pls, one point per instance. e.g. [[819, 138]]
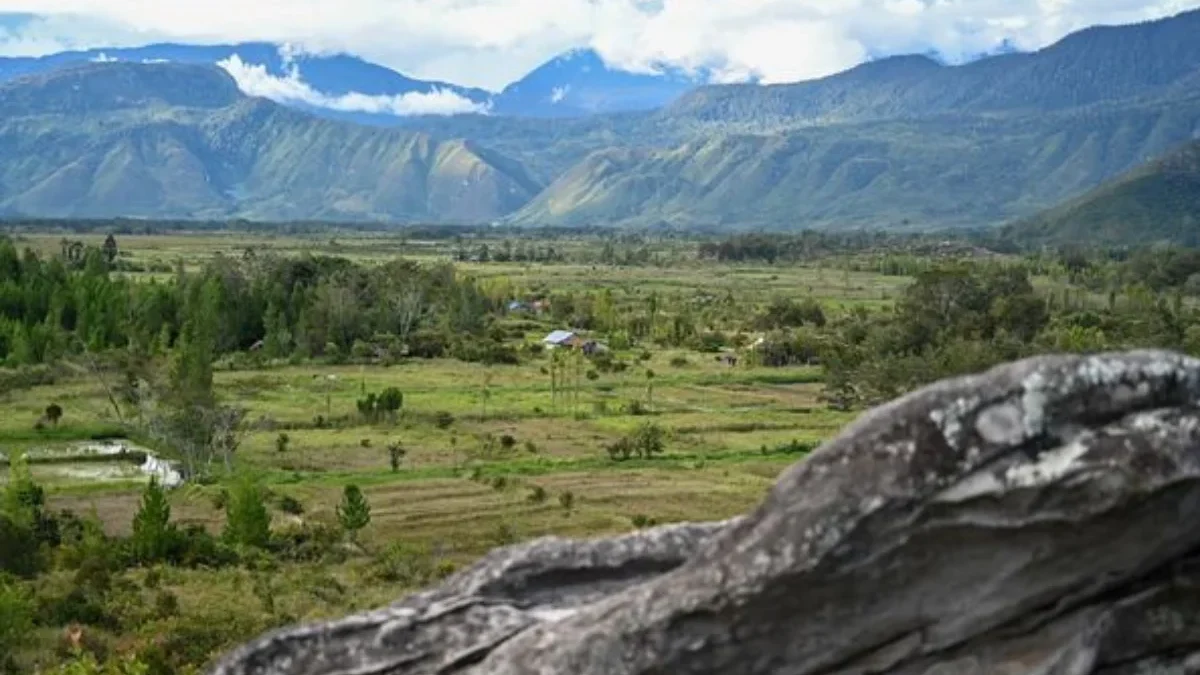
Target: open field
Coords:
[[492, 454]]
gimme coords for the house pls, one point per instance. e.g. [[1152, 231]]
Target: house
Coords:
[[562, 338], [518, 306], [728, 359]]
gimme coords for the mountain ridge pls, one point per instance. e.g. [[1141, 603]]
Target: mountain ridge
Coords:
[[1158, 201], [219, 153]]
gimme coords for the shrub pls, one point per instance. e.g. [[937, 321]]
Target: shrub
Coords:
[[396, 453], [16, 617], [592, 375], [308, 542], [54, 413], [537, 495], [641, 520], [154, 536], [678, 361], [289, 504], [508, 442], [405, 564], [443, 419], [354, 513], [365, 443], [567, 501], [281, 442], [531, 447], [499, 483], [247, 522]]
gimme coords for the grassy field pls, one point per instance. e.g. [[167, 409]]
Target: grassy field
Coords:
[[490, 456]]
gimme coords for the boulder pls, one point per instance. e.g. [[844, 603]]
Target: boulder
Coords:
[[1043, 517]]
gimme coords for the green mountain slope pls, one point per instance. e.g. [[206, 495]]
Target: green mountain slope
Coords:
[[1092, 66], [944, 171], [170, 140], [1156, 202]]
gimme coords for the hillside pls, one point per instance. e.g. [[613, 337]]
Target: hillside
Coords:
[[898, 143], [949, 171], [1156, 202], [172, 140], [1095, 65]]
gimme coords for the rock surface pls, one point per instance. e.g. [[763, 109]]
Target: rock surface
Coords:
[[1041, 518]]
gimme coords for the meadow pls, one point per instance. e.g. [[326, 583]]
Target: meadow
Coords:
[[491, 454]]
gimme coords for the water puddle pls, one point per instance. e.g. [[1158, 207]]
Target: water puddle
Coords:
[[96, 461]]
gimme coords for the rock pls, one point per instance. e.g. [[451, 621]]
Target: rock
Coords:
[[1043, 517]]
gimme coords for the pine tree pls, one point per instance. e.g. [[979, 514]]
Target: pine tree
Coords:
[[247, 522], [354, 512], [152, 529]]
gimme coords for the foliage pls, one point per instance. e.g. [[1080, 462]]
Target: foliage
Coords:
[[385, 405], [645, 443], [354, 513], [154, 536], [247, 522]]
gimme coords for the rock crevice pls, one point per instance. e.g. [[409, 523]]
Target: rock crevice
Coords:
[[1043, 517]]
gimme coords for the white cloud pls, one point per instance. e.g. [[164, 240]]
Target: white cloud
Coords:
[[104, 58], [254, 80], [559, 93], [490, 43]]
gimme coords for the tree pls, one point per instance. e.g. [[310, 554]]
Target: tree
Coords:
[[354, 513], [281, 442], [110, 250], [247, 522], [54, 413], [153, 532], [396, 453]]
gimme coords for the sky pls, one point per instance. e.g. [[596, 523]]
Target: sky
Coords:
[[491, 43]]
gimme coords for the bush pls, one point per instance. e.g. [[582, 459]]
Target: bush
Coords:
[[354, 513], [308, 542], [641, 520], [443, 419], [508, 442], [537, 495], [16, 616], [679, 361], [247, 522], [281, 442], [405, 564], [645, 443], [396, 453], [567, 501], [289, 504]]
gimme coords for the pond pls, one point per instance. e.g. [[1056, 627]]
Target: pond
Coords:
[[95, 461]]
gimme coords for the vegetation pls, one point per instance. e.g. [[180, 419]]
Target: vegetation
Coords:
[[1156, 202], [280, 373], [896, 143]]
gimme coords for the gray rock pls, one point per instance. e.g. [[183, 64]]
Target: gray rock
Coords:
[[1038, 518]]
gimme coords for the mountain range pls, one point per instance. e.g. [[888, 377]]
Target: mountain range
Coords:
[[573, 84], [902, 142]]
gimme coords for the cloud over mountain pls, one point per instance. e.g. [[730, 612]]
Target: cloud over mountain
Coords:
[[255, 80], [491, 43]]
